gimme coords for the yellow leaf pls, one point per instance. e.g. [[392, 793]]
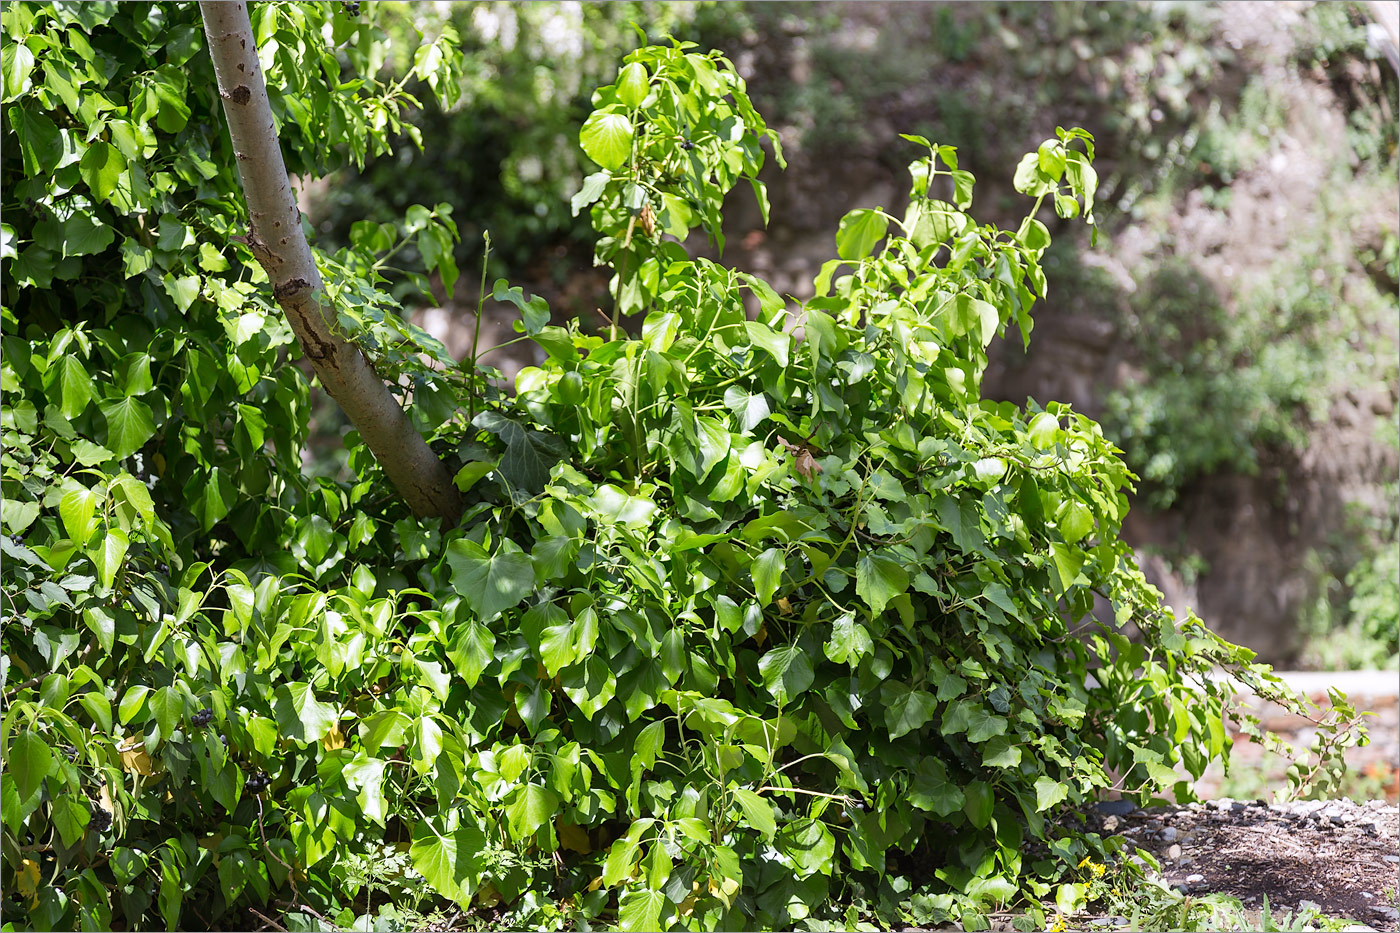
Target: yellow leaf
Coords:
[[333, 739], [784, 606], [723, 888], [573, 838], [28, 881], [761, 635], [104, 797], [596, 883], [135, 760]]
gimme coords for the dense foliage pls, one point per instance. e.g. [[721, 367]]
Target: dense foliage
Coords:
[[739, 628]]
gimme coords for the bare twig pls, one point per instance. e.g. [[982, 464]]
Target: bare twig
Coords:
[[270, 923]]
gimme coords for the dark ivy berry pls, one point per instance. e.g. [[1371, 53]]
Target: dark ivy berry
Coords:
[[101, 820], [202, 718], [71, 752], [257, 782], [350, 6]]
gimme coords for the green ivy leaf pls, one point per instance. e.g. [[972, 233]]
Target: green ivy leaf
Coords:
[[750, 409], [767, 571], [109, 556], [632, 85], [29, 762], [40, 145], [490, 583], [451, 862], [100, 168], [930, 789], [1066, 560], [849, 641], [73, 383], [529, 456], [81, 234], [758, 812], [640, 910], [472, 650], [168, 708], [1075, 521], [776, 343], [1048, 792], [593, 187], [809, 845], [905, 709], [982, 725], [529, 808], [300, 716], [978, 802], [129, 425], [787, 672], [78, 510], [999, 752], [879, 579], [859, 232], [606, 138]]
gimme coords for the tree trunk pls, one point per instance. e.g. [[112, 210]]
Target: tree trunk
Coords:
[[275, 236]]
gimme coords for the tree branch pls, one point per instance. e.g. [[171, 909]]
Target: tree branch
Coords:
[[276, 239]]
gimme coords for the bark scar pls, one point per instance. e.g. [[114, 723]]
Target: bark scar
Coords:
[[239, 95]]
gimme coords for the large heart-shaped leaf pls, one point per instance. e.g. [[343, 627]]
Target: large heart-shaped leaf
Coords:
[[606, 137], [449, 861], [490, 583]]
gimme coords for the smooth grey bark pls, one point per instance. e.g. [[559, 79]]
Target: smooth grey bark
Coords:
[[275, 236]]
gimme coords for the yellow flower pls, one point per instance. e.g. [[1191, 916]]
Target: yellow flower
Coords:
[[1098, 869], [1057, 924]]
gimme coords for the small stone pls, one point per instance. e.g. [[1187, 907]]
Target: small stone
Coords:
[[1392, 859], [1224, 804], [1184, 861], [1369, 827], [1110, 824], [1305, 808], [1115, 807], [1195, 879], [1169, 834], [1367, 894], [1358, 928], [1174, 853], [1310, 905]]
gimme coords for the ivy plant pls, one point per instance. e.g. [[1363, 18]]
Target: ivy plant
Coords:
[[761, 617]]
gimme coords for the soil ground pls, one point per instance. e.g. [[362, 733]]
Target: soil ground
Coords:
[[1334, 857]]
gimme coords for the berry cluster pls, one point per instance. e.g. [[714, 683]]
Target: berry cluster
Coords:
[[351, 7], [257, 782], [71, 752], [16, 539], [202, 718], [101, 819]]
